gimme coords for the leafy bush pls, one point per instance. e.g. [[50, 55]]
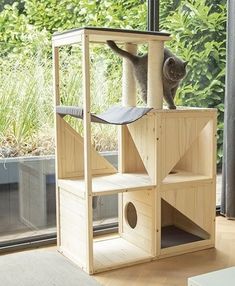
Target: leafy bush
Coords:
[[27, 25], [198, 29], [73, 13], [18, 37]]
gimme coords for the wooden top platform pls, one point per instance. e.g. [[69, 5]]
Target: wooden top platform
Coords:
[[101, 35]]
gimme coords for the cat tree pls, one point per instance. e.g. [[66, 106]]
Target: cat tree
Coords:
[[166, 176]]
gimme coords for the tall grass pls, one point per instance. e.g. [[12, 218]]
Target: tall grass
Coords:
[[105, 89], [27, 103]]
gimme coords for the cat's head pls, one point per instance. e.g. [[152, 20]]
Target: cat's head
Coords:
[[174, 69]]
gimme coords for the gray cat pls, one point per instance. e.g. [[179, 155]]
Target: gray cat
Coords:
[[174, 70]]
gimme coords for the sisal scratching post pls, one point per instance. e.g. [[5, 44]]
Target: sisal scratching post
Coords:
[[155, 61], [128, 80]]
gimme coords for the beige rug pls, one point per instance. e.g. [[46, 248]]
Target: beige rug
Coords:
[[41, 268]]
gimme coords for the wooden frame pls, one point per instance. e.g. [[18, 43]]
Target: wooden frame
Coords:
[[166, 170]]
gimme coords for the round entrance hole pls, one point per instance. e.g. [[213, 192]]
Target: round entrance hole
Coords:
[[131, 215]]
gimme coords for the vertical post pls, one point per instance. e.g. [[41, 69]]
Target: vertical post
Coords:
[[128, 80], [87, 149], [128, 99], [214, 173], [56, 75], [153, 15], [56, 92], [155, 62]]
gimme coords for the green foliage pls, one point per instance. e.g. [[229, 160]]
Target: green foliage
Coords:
[[26, 26], [198, 29], [18, 37], [74, 13], [198, 36], [25, 100]]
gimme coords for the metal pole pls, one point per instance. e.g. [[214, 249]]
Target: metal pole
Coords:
[[153, 15]]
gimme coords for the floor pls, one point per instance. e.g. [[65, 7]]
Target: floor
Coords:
[[175, 270], [46, 267]]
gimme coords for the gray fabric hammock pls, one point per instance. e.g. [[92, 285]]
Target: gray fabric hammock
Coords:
[[117, 115]]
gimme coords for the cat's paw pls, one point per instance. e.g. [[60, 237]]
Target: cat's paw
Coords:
[[172, 107]]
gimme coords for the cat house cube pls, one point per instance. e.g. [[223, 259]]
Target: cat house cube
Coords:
[[166, 175]]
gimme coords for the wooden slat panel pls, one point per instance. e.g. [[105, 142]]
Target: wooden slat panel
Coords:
[[129, 158], [71, 160], [143, 235], [72, 224], [182, 179], [195, 203], [108, 184], [194, 159], [178, 136], [115, 253], [143, 135]]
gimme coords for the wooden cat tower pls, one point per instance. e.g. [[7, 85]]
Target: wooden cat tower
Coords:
[[166, 176]]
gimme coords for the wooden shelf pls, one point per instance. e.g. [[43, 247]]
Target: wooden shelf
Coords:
[[108, 184], [179, 177], [117, 252]]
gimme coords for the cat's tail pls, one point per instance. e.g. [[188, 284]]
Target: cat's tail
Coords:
[[121, 52]]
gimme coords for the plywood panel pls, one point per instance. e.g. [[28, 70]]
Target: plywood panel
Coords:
[[178, 134], [195, 203], [71, 159], [73, 239], [117, 252], [144, 137], [180, 177], [108, 184], [129, 158], [167, 214], [199, 158], [143, 234]]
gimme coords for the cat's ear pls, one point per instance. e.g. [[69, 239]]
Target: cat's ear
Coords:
[[171, 61], [185, 64]]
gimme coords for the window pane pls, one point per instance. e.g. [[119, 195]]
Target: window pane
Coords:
[[27, 197]]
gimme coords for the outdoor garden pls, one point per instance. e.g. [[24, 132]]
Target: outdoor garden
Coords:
[[26, 91]]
